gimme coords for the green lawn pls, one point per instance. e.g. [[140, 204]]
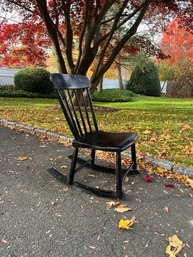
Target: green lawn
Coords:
[[164, 125]]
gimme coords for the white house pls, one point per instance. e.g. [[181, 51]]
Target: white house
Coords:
[[7, 76]]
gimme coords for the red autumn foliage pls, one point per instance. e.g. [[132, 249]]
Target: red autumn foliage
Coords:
[[177, 42], [23, 44]]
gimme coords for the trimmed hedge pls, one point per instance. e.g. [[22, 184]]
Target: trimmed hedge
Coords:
[[7, 87], [107, 95], [145, 80], [112, 95], [21, 93], [35, 80]]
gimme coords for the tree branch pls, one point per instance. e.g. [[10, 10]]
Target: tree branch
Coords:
[[52, 34], [110, 35], [123, 22], [91, 36], [20, 5], [69, 36], [121, 43], [82, 36]]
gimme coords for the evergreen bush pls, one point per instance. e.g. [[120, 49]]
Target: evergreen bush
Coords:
[[112, 95], [145, 80], [35, 80]]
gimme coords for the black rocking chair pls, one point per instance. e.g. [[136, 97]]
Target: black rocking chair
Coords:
[[75, 100]]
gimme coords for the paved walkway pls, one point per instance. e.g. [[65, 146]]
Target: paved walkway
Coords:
[[41, 217]]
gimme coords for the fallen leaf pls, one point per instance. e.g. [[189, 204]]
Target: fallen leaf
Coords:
[[122, 205], [112, 165], [148, 178], [186, 126], [146, 132], [122, 209], [175, 246], [189, 181], [4, 241], [153, 139], [163, 154], [126, 224], [46, 138], [167, 136], [57, 118], [22, 158], [112, 204], [166, 209], [92, 247], [169, 185], [43, 146], [126, 179]]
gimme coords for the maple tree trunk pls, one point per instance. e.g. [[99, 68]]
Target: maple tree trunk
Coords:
[[119, 76], [100, 86]]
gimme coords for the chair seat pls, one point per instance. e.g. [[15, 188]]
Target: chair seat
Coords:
[[106, 141]]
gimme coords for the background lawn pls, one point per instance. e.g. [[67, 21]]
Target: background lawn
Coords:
[[164, 125]]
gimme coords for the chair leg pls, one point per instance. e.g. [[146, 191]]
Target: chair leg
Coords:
[[133, 157], [73, 166], [118, 176], [92, 156]]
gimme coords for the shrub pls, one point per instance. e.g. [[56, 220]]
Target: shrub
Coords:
[[145, 80], [21, 93], [34, 80], [112, 95], [7, 87]]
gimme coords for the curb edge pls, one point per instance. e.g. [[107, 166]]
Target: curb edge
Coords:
[[168, 165]]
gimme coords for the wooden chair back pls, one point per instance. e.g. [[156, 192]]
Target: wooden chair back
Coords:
[[75, 100]]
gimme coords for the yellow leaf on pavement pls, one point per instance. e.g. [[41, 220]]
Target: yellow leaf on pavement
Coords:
[[175, 246], [112, 204], [22, 158], [122, 209], [126, 179], [189, 181], [126, 224], [122, 205]]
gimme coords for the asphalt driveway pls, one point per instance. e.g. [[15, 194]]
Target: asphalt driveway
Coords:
[[42, 217]]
